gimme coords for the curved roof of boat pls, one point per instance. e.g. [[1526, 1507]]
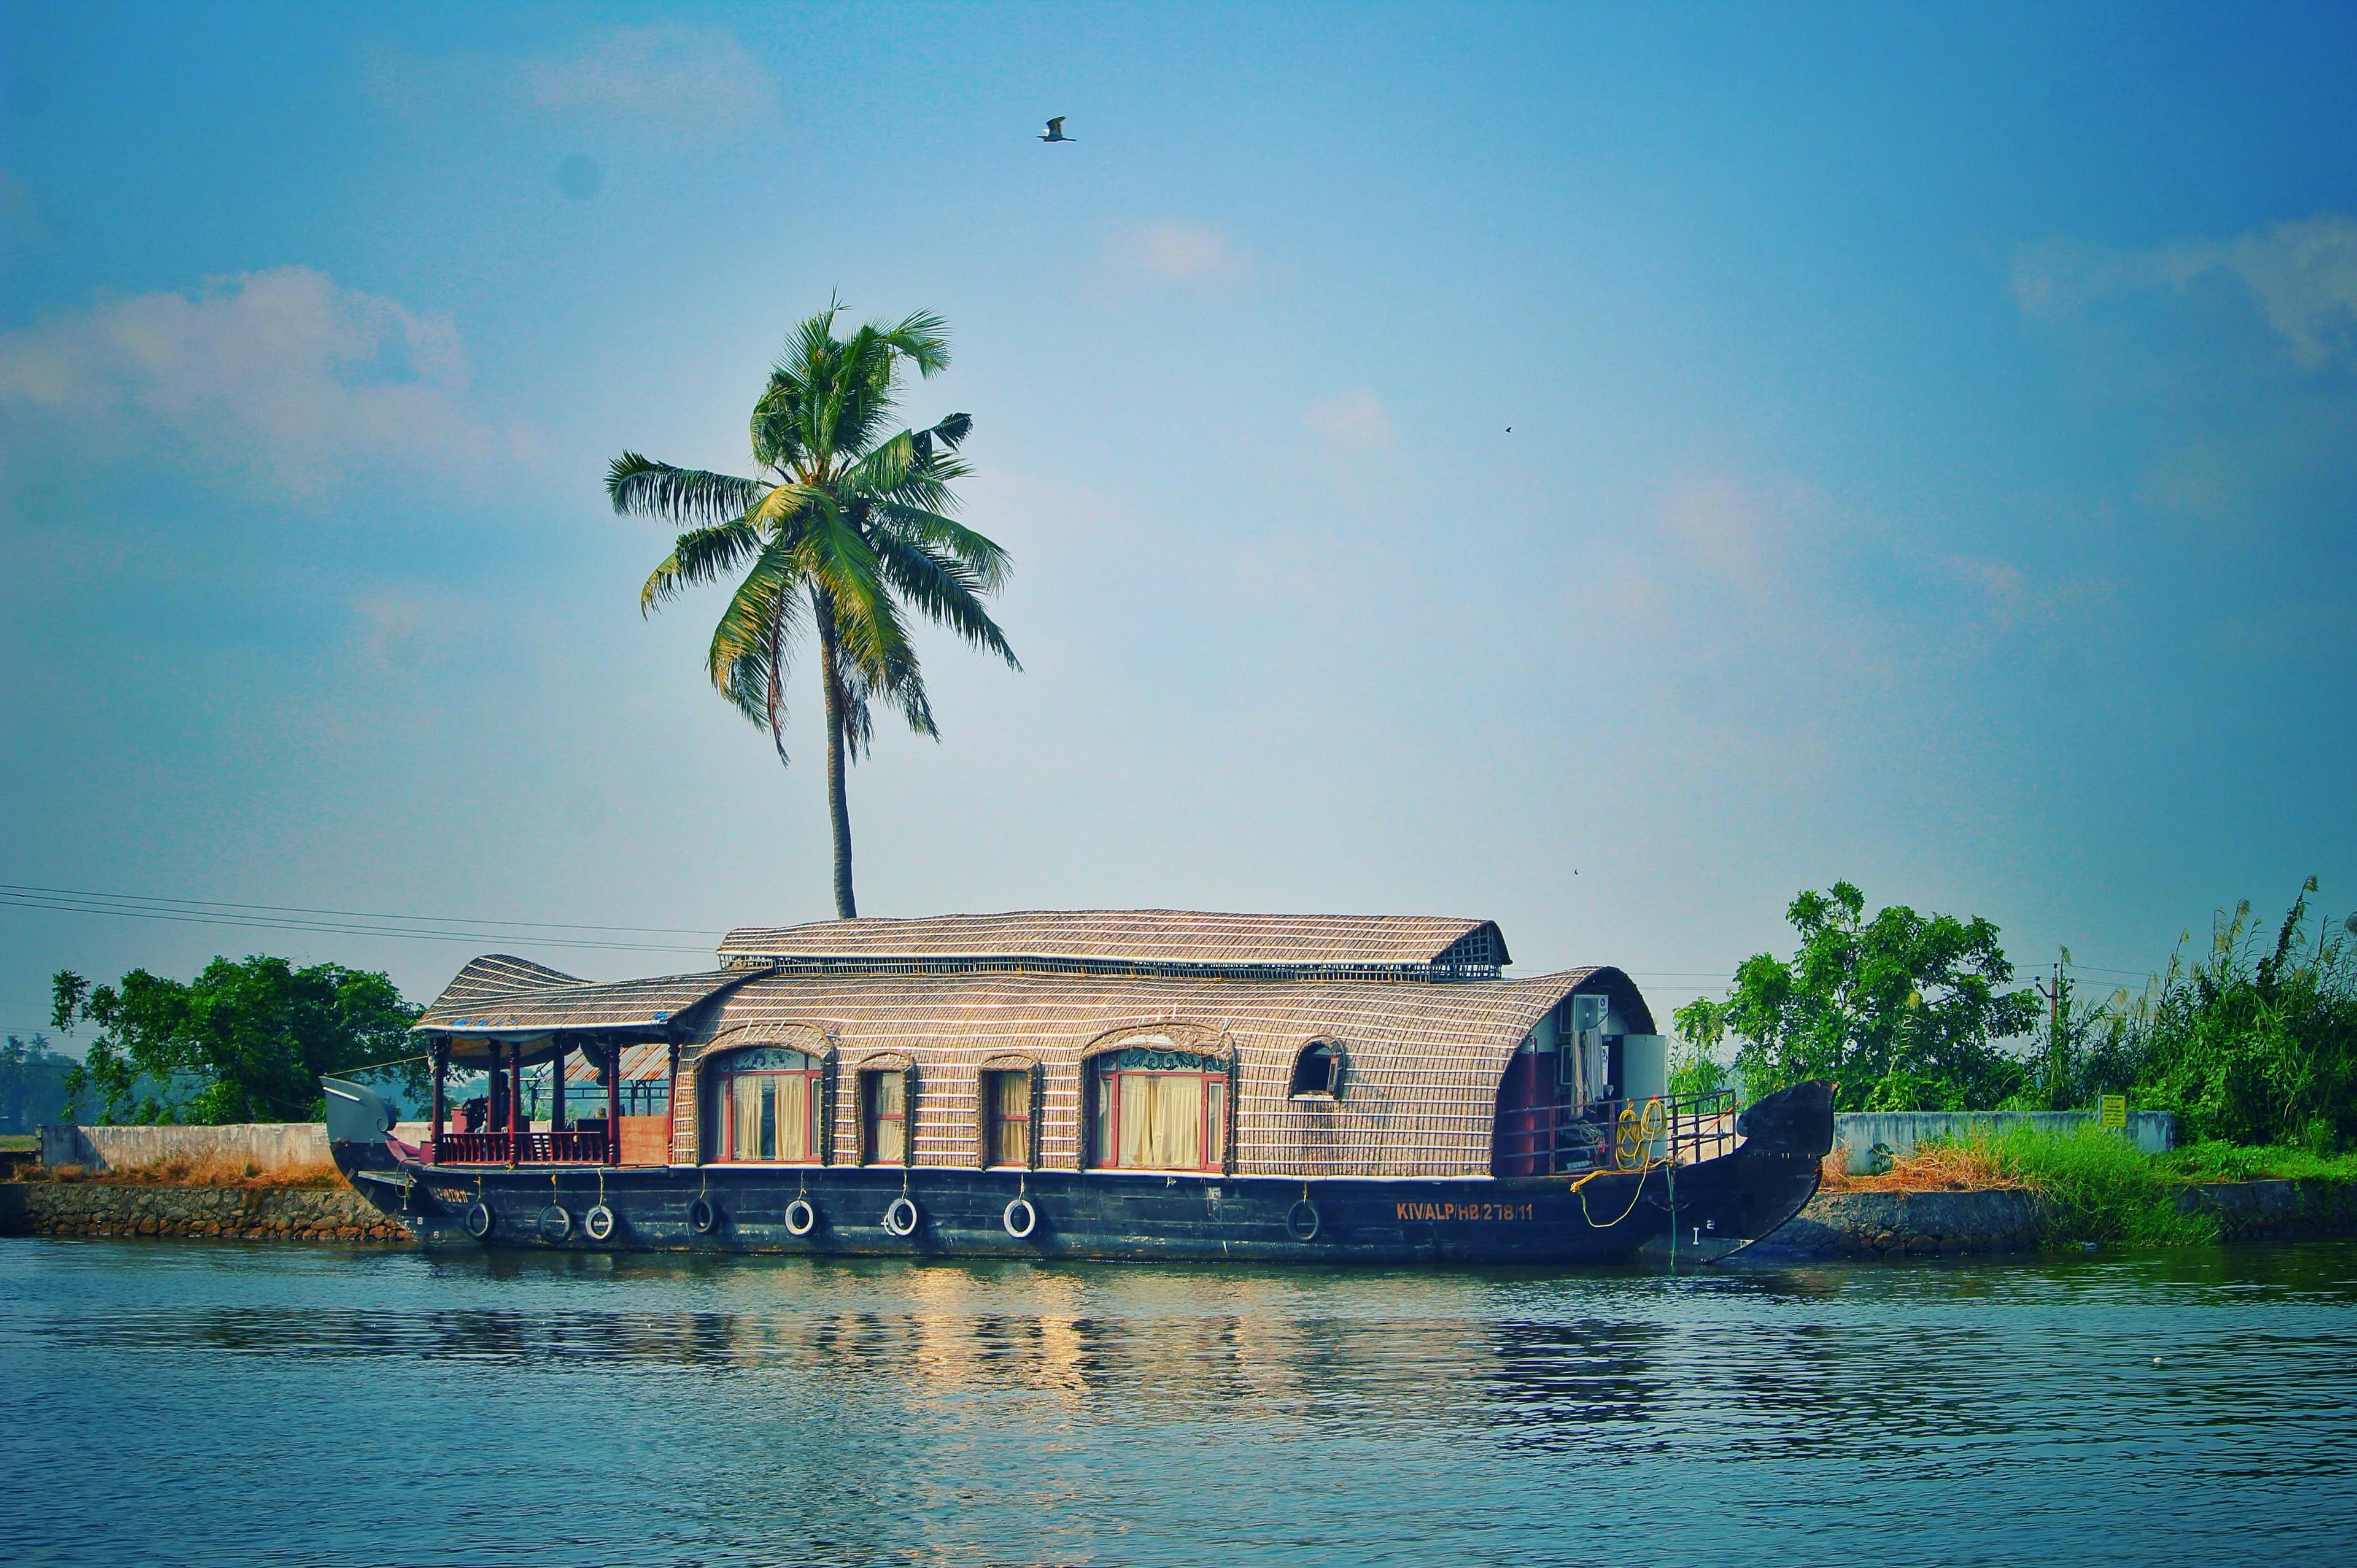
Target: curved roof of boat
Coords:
[[1422, 1061]]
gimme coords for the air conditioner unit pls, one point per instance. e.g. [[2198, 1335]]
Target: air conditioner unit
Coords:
[[1581, 1059]]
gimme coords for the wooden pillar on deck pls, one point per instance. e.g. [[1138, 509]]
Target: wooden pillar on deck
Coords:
[[613, 1103], [441, 1055], [495, 1091], [517, 1124], [556, 1090]]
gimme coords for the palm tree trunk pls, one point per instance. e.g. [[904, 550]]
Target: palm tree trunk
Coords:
[[838, 805]]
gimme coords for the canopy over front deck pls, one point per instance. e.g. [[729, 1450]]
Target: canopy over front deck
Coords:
[[499, 999]]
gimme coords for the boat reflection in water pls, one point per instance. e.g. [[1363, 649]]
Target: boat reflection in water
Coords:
[[725, 1410]]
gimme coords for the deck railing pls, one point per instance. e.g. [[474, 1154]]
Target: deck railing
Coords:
[[1566, 1139], [583, 1147]]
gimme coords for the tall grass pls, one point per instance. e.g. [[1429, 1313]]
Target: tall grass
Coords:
[[2097, 1185], [180, 1171], [2213, 1160]]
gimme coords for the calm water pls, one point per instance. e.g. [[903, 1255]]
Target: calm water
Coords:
[[176, 1402]]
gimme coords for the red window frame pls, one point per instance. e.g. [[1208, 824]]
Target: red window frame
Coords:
[[1105, 1075], [995, 1119], [724, 1090], [871, 1121]]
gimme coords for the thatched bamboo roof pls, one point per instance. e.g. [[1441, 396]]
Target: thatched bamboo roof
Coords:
[[1159, 937], [541, 1001], [1422, 1062]]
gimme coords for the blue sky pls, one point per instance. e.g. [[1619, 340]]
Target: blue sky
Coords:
[[1932, 462]]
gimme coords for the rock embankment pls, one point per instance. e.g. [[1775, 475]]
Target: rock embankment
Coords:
[[1877, 1224], [250, 1213]]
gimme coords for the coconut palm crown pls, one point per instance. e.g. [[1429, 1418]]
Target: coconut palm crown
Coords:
[[845, 532]]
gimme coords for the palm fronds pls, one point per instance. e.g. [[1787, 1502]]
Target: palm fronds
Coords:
[[851, 524]]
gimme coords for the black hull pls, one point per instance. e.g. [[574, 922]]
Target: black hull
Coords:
[[1713, 1208]]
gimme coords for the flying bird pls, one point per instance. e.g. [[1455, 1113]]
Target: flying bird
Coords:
[[1055, 132]]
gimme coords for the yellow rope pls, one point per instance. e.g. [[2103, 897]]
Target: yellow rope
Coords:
[[1632, 1139]]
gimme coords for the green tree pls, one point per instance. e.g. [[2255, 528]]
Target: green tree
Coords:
[[251, 1038], [1901, 1011], [847, 525]]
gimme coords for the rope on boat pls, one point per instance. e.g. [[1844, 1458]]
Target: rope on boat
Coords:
[[1632, 1136]]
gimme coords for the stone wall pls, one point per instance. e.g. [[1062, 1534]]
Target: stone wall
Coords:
[[1856, 1132], [265, 1145], [127, 1209]]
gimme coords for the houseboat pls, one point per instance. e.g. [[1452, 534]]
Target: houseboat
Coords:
[[1097, 1084]]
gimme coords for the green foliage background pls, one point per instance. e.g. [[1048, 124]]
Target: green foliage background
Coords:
[[1901, 1011], [2255, 1045], [254, 1036]]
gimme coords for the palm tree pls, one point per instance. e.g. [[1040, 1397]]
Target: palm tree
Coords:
[[845, 530]]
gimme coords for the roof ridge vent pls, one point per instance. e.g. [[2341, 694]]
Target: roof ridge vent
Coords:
[[1154, 941]]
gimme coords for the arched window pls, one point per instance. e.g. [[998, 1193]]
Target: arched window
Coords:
[[766, 1103], [1317, 1071], [1158, 1110]]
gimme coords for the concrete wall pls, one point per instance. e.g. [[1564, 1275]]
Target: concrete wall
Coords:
[[1856, 1132], [265, 1145]]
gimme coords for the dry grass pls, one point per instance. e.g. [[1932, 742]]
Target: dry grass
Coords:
[[194, 1173], [1933, 1167]]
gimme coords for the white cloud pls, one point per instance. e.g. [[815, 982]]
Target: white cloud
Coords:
[[2303, 275], [279, 376], [691, 79], [1172, 251], [1355, 418], [1747, 530], [387, 626]]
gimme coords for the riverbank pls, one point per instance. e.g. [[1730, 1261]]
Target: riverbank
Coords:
[[1880, 1224], [245, 1211], [2021, 1188]]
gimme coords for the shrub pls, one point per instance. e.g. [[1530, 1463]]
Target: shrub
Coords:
[[2100, 1187]]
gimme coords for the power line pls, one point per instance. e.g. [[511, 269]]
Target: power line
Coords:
[[350, 914], [415, 929]]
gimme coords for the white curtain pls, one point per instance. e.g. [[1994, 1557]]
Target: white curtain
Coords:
[[744, 1099], [794, 1116], [1011, 1119], [1161, 1121]]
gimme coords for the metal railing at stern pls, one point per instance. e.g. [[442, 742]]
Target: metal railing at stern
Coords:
[[1567, 1139]]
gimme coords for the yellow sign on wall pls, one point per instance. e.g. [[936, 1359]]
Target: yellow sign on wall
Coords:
[[2112, 1110]]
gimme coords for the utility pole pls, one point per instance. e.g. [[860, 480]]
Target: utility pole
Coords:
[[2053, 995]]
